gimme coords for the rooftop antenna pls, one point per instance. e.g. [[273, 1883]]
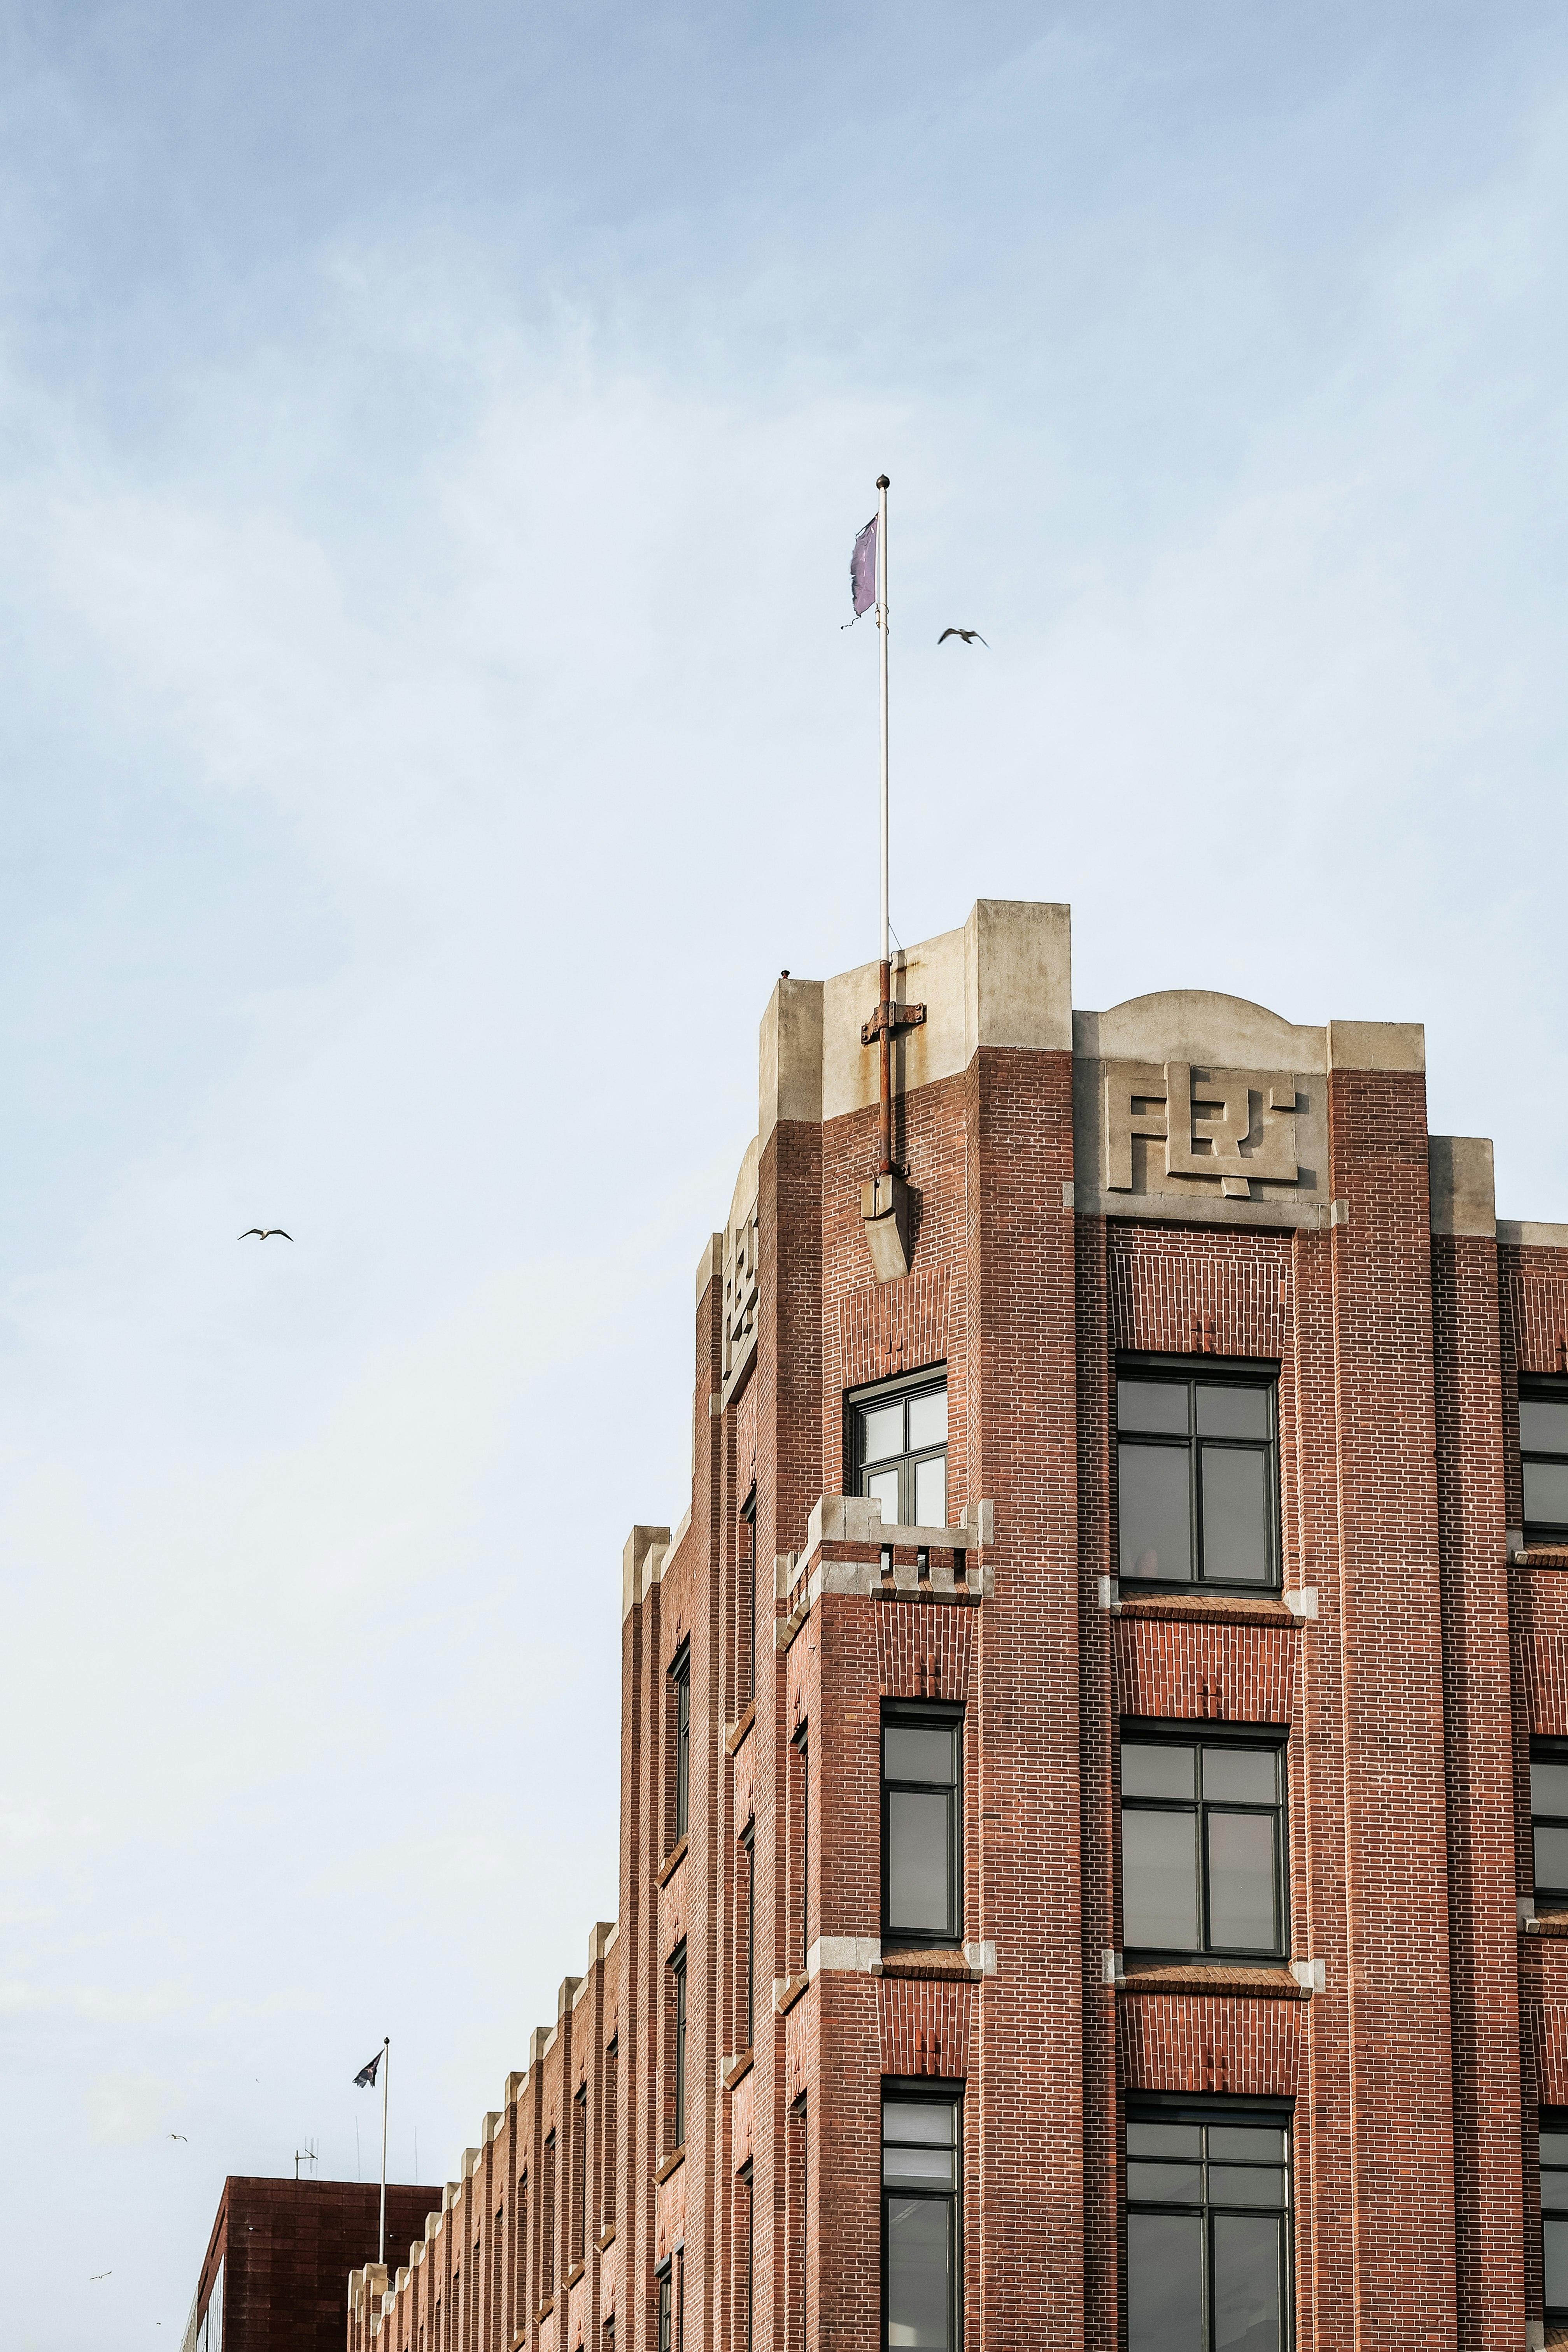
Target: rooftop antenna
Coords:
[[306, 2154]]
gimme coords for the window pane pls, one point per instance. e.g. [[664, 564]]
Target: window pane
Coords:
[[1555, 2234], [1232, 1412], [930, 2120], [1163, 2140], [1546, 1491], [1235, 1514], [1164, 2184], [918, 2167], [928, 1420], [1152, 1405], [1156, 1771], [1555, 2147], [914, 1751], [883, 1487], [931, 1492], [918, 1862], [1159, 1881], [1152, 1507], [882, 1431], [1246, 2143], [1235, 2184], [1247, 2300], [1551, 1856], [1544, 1425], [1241, 1881], [1555, 2192], [1241, 1776], [1549, 1788], [1164, 2282], [918, 2287]]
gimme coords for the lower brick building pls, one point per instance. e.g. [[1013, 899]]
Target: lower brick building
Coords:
[[272, 2277], [1094, 1824]]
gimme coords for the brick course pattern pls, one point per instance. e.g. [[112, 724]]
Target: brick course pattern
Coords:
[[1418, 2019]]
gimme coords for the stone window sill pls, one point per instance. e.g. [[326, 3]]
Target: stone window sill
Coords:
[[1268, 1982], [787, 1990], [673, 1864], [940, 1960], [545, 2308], [738, 1731], [672, 2163], [1552, 1924], [737, 2070], [605, 2239], [574, 2274], [1209, 1608]]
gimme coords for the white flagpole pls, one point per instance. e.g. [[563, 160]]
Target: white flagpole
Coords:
[[882, 486], [385, 2081]]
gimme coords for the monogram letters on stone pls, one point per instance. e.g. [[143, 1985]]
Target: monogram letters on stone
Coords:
[[740, 1288], [1236, 1126]]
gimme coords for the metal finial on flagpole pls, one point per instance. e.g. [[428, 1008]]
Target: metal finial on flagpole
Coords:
[[385, 2080]]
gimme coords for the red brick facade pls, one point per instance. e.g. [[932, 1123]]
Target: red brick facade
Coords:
[[1419, 2017]]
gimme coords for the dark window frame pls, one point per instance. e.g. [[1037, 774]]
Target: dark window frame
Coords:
[[678, 1976], [1178, 2108], [664, 2284], [857, 1470], [800, 1740], [680, 1677], [922, 2090], [746, 1586], [1553, 2120], [579, 2226], [1216, 1371], [948, 1716], [1177, 1731], [1544, 1388], [747, 1842], [745, 2181], [1544, 1750]]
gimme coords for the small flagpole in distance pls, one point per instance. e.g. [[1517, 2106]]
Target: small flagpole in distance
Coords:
[[883, 488], [385, 2081]]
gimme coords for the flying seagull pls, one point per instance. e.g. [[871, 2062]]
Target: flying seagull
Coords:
[[92, 2276], [968, 635], [181, 2135], [264, 1232]]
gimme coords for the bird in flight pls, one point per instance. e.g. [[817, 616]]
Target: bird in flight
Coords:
[[968, 635], [98, 2274], [264, 1232], [181, 2135]]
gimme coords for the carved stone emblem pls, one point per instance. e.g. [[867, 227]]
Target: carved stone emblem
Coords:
[[1234, 1128], [740, 1289]]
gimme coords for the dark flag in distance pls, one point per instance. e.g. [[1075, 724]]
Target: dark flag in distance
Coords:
[[863, 570], [365, 2079]]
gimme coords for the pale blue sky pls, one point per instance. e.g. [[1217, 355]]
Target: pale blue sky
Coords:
[[430, 446]]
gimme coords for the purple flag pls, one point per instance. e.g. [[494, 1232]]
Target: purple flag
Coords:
[[863, 570]]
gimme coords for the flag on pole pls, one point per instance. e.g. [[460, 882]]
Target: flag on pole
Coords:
[[863, 570], [365, 2079]]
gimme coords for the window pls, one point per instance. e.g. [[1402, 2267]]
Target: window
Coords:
[[746, 1606], [1554, 2210], [747, 2240], [1196, 1481], [1208, 2208], [519, 2256], [921, 1816], [921, 2218], [666, 2310], [801, 1791], [897, 1448], [547, 2225], [1549, 1820], [1543, 1456], [1202, 1849], [580, 2173], [607, 2129], [749, 1929], [677, 1970], [681, 1675]]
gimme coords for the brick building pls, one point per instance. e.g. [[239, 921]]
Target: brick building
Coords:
[[1094, 1850], [272, 2277]]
